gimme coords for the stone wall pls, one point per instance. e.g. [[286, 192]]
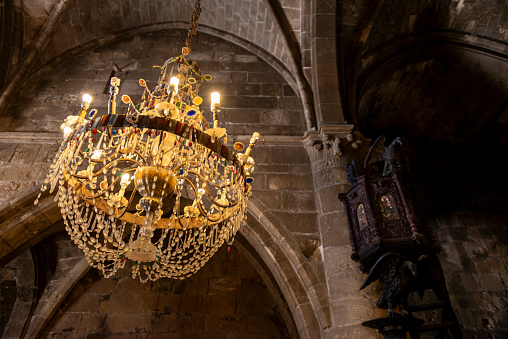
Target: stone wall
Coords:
[[17, 295], [253, 93], [249, 20], [226, 299], [23, 162], [474, 251]]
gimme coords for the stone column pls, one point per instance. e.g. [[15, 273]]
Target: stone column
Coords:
[[328, 149]]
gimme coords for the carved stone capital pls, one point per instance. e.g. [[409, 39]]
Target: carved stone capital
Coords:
[[331, 141]]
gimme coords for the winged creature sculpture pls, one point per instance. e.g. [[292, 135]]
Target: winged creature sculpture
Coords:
[[398, 277], [394, 156]]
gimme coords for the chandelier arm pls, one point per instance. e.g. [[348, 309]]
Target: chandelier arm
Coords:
[[142, 144], [205, 215], [95, 174], [176, 168], [101, 192], [223, 206], [128, 204], [203, 179], [208, 192], [178, 212], [110, 133], [111, 157], [200, 207], [68, 172], [222, 186], [148, 151], [178, 207], [132, 160], [131, 149], [162, 158], [102, 205], [219, 217], [141, 156], [175, 127], [84, 196]]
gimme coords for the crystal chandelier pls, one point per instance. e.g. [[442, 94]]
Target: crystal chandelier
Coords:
[[155, 186]]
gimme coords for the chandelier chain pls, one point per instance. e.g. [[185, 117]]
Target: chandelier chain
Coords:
[[194, 23]]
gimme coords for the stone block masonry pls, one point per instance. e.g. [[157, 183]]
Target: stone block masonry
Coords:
[[24, 161], [226, 299]]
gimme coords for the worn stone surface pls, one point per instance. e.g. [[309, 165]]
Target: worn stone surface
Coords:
[[57, 94], [225, 298], [17, 282], [475, 280]]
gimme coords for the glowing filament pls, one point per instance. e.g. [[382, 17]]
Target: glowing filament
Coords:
[[173, 85], [215, 101], [87, 98]]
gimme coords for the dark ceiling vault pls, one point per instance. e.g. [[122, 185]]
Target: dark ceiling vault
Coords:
[[435, 72]]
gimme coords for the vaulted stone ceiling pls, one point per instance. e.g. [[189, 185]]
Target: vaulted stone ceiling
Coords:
[[79, 23], [251, 20]]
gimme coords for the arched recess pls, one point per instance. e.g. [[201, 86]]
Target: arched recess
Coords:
[[306, 297], [304, 291], [296, 81], [265, 30]]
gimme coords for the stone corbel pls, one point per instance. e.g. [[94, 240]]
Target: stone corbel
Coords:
[[332, 144], [331, 141]]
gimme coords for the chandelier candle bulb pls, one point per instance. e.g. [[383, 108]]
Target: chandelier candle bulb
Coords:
[[96, 154], [85, 103], [215, 99], [87, 98], [173, 85], [67, 131], [125, 179]]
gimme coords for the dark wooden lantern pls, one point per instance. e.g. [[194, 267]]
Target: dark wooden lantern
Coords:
[[383, 216]]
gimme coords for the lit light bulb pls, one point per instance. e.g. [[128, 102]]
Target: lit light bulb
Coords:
[[97, 154], [173, 85], [87, 98], [67, 131], [215, 101], [125, 179]]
